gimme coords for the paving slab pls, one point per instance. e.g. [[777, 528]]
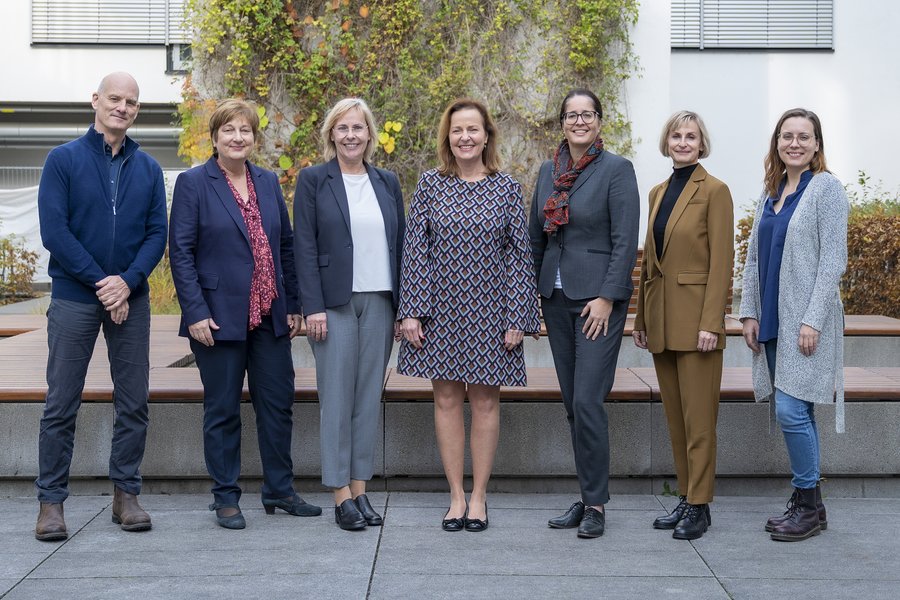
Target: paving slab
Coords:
[[219, 587], [443, 587], [769, 589]]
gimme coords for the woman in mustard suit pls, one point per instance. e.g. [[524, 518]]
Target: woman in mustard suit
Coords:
[[685, 276]]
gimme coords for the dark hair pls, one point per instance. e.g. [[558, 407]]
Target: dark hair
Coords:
[[775, 167], [580, 92], [489, 156]]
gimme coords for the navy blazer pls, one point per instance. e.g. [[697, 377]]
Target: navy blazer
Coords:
[[595, 253], [209, 249], [324, 244]]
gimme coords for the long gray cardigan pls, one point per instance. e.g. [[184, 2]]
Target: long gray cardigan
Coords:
[[815, 256]]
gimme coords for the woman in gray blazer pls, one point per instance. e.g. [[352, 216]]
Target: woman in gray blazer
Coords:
[[791, 306], [349, 225], [584, 230]]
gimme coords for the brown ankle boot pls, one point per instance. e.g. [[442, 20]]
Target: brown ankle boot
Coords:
[[51, 523], [127, 512], [803, 522], [823, 516]]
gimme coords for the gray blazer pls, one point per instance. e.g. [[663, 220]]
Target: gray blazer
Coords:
[[595, 253]]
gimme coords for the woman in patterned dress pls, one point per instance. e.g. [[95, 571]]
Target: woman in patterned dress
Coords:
[[467, 298], [231, 247]]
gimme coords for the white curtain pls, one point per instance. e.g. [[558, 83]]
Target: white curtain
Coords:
[[19, 216]]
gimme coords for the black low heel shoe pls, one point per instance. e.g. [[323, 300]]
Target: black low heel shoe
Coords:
[[348, 517], [372, 518], [292, 505], [477, 525], [235, 521], [457, 524]]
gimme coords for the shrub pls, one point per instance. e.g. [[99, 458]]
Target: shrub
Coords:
[[17, 268], [871, 285], [163, 300]]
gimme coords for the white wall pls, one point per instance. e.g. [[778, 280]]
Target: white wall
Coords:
[[71, 73], [855, 90]]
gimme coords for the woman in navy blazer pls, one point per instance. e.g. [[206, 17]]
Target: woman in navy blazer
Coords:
[[231, 250], [349, 219]]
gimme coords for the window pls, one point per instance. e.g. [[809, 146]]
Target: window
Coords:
[[154, 22], [766, 24]]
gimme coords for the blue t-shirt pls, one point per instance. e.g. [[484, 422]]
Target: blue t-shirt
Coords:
[[772, 231]]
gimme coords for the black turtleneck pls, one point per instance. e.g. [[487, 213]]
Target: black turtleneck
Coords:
[[680, 177]]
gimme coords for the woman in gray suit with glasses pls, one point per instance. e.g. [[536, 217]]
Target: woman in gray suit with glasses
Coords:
[[584, 229]]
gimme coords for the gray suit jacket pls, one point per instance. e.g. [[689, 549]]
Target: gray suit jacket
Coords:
[[595, 253]]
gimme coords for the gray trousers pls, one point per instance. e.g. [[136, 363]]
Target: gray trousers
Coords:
[[350, 366], [72, 329], [586, 370]]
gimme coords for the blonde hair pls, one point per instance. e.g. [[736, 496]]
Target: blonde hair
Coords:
[[228, 110], [329, 150], [775, 167], [677, 120], [489, 156]]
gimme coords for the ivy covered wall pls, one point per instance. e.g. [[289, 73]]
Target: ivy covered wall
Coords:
[[407, 59]]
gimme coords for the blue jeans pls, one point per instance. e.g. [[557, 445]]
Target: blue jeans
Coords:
[[797, 419], [72, 329]]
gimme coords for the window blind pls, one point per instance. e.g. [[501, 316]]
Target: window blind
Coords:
[[108, 22]]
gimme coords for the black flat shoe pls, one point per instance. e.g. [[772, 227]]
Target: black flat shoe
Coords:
[[348, 517], [592, 524], [477, 525], [235, 521], [569, 519], [365, 508], [456, 524], [671, 520], [292, 505]]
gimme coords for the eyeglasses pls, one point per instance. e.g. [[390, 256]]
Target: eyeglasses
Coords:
[[356, 129], [804, 139], [587, 117]]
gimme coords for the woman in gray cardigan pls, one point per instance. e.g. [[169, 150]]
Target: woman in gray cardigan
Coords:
[[791, 305]]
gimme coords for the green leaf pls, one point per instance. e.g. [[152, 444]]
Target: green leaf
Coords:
[[263, 122], [285, 162], [261, 111]]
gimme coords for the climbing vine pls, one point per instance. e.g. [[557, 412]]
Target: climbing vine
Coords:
[[407, 59]]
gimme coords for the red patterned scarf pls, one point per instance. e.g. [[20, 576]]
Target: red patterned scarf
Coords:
[[556, 209]]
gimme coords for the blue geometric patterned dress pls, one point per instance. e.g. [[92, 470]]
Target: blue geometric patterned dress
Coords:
[[467, 274]]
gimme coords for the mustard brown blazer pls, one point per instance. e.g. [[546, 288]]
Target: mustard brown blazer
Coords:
[[687, 290]]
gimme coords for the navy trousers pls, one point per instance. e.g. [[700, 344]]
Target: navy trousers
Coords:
[[72, 330], [266, 359]]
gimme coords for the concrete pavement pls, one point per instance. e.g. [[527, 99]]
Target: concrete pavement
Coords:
[[187, 556]]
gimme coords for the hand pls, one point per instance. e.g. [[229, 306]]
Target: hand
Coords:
[[202, 331], [809, 340], [751, 334], [597, 312], [112, 291], [640, 339], [294, 322], [412, 332], [398, 335], [120, 314], [317, 326], [512, 339], [536, 336], [706, 341]]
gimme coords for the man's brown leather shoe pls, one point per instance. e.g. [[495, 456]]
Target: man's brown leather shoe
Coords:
[[127, 512], [51, 524]]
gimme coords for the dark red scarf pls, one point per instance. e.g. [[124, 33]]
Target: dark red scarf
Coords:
[[556, 209]]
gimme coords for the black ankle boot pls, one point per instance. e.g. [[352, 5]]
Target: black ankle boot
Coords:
[[823, 516], [693, 524], [671, 520], [803, 522]]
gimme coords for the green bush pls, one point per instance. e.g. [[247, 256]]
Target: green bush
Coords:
[[17, 268], [871, 285]]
